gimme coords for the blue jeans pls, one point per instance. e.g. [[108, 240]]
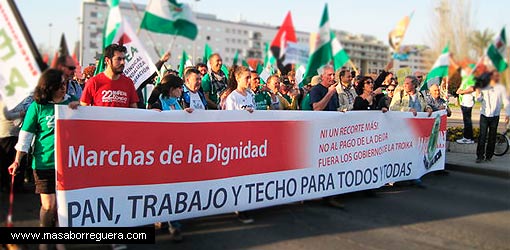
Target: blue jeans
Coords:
[[488, 128], [468, 124]]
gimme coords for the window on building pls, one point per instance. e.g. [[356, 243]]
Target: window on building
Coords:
[[93, 14]]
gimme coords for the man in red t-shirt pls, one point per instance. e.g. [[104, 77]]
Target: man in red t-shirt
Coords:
[[111, 88]]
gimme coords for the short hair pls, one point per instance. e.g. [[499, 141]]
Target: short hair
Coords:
[[414, 80], [169, 82], [271, 77], [49, 82], [361, 85], [191, 71], [213, 55], [109, 51], [201, 65], [323, 68]]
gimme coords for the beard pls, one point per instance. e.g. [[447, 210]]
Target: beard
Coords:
[[118, 70]]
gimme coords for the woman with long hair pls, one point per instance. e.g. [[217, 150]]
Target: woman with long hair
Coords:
[[240, 98], [39, 123]]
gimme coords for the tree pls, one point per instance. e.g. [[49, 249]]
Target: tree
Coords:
[[452, 23], [480, 40]]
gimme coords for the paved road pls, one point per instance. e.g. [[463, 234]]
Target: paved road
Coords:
[[459, 211]]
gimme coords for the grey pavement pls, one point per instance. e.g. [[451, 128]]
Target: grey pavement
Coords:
[[499, 166], [461, 157]]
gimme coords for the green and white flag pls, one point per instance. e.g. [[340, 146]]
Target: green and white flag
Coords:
[[438, 71], [170, 17], [207, 53], [113, 22], [269, 65], [185, 62], [340, 56], [138, 66], [327, 48], [496, 52], [236, 58]]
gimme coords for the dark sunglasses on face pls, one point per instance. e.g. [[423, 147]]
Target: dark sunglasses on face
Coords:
[[71, 67]]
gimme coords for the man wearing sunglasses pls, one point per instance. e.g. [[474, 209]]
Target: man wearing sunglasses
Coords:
[[66, 64]]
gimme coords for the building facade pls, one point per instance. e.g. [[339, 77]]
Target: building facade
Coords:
[[224, 37], [419, 59]]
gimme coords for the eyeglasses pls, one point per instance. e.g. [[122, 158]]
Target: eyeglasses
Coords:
[[419, 77], [390, 90], [369, 82], [71, 67]]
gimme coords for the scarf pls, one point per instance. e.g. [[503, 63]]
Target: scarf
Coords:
[[167, 103]]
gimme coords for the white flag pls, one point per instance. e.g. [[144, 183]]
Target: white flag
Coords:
[[139, 67]]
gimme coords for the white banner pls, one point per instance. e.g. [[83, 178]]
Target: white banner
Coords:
[[19, 71], [296, 54], [147, 166], [139, 67]]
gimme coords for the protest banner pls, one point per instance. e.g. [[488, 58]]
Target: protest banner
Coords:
[[20, 62], [212, 162]]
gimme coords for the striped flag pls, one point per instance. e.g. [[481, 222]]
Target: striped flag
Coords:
[[496, 52], [439, 70], [327, 48], [170, 17], [113, 22]]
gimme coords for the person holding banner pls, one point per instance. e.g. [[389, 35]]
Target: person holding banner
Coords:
[[409, 99], [239, 99], [192, 95], [171, 91], [39, 124], [366, 100], [435, 101], [111, 88], [323, 97]]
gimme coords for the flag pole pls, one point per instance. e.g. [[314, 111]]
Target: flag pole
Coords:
[[138, 30], [173, 40], [148, 34], [353, 66]]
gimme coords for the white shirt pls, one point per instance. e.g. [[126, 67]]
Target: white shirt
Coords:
[[493, 98], [236, 101], [467, 100], [195, 102]]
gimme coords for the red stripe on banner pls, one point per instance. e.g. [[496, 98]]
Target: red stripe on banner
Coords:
[[89, 152], [423, 126]]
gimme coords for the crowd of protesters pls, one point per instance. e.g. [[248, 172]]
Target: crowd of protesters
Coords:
[[209, 88]]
